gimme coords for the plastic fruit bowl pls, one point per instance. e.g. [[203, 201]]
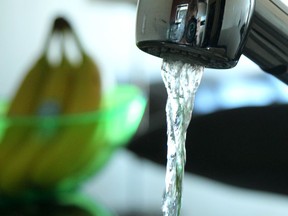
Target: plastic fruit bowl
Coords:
[[59, 152]]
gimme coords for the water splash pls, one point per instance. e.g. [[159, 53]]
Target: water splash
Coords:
[[181, 81]]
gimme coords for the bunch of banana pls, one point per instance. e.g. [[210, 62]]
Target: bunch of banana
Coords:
[[44, 156], [73, 147]]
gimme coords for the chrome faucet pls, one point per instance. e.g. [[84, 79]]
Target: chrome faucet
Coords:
[[215, 33]]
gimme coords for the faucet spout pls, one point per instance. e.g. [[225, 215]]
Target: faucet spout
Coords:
[[215, 33]]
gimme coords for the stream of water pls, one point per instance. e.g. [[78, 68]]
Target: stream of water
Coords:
[[181, 81]]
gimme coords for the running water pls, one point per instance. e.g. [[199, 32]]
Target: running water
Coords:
[[181, 81]]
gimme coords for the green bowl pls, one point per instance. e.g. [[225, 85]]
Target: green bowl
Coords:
[[66, 150]]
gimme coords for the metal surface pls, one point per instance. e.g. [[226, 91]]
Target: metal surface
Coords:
[[267, 43], [215, 33]]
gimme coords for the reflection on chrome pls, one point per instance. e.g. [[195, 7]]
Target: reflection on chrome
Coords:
[[215, 33]]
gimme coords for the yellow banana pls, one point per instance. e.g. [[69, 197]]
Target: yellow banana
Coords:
[[21, 105], [64, 155], [23, 102], [15, 175], [67, 154], [56, 88], [86, 93], [90, 159]]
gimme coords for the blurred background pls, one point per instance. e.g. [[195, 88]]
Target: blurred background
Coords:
[[130, 185]]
